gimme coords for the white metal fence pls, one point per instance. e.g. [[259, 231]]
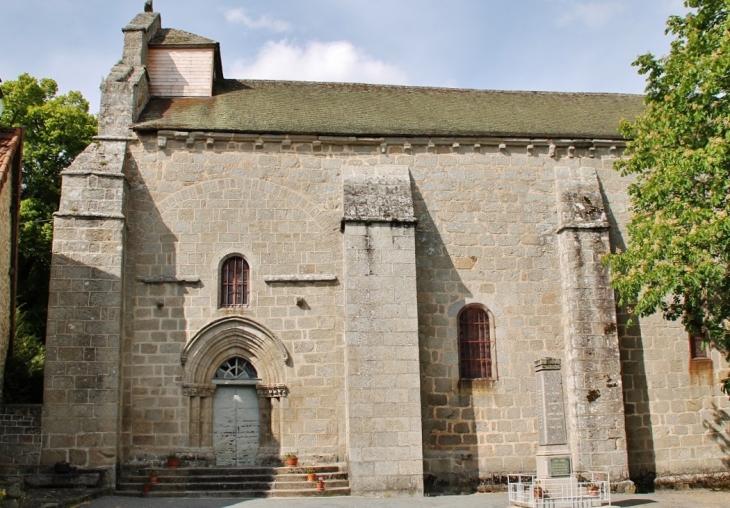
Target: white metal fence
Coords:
[[579, 490]]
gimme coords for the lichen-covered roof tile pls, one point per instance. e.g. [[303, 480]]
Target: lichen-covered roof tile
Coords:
[[174, 37], [383, 110]]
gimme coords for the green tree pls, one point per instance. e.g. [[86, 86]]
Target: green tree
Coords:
[[24, 369], [678, 258], [57, 129]]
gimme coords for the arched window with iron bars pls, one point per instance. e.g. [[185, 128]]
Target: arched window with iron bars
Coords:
[[235, 276], [476, 345]]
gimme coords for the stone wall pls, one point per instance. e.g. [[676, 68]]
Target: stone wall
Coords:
[[487, 233], [81, 381], [20, 434], [382, 361], [7, 276], [676, 416], [181, 231]]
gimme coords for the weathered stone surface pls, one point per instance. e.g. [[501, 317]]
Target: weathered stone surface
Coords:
[[366, 308], [550, 408]]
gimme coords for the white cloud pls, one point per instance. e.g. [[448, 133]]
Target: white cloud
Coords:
[[595, 14], [317, 61], [239, 16]]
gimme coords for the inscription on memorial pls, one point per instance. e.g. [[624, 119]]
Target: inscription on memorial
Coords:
[[550, 408], [560, 466]]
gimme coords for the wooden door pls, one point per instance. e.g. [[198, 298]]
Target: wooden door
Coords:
[[236, 422]]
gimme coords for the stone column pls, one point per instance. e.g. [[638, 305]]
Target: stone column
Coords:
[[82, 382], [381, 333], [595, 401]]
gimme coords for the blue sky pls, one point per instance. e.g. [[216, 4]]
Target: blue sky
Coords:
[[559, 45]]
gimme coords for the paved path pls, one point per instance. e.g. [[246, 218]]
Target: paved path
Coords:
[[663, 499]]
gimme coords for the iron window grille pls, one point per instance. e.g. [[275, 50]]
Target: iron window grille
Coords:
[[234, 282], [476, 346]]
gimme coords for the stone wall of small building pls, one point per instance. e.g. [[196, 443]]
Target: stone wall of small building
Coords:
[[20, 434], [6, 262]]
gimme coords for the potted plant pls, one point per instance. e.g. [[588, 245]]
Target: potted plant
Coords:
[[537, 492], [154, 476], [320, 483], [311, 473], [593, 490], [145, 488], [291, 459], [173, 461]]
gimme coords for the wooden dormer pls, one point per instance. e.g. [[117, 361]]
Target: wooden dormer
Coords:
[[181, 64]]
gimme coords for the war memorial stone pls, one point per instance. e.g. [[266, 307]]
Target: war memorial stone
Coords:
[[553, 455]]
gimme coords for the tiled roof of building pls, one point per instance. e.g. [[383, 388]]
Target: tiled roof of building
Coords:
[[10, 140], [383, 110], [174, 37]]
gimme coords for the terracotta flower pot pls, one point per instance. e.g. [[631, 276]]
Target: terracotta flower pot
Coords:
[[311, 477], [153, 479], [320, 485], [173, 463], [145, 488], [537, 492], [292, 461]]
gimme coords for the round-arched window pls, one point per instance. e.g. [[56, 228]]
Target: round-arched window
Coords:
[[476, 347], [234, 282], [236, 368]]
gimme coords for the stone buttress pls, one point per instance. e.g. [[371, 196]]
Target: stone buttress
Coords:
[[381, 332], [596, 424], [81, 416]]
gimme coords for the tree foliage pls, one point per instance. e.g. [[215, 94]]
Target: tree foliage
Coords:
[[24, 369], [678, 258], [57, 129]]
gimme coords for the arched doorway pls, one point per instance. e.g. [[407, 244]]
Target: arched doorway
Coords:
[[236, 414], [226, 365]]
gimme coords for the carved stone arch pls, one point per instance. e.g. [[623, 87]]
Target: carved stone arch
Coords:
[[234, 336], [142, 221], [217, 342]]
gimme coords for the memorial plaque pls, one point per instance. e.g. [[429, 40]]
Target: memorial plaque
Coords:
[[560, 466], [550, 408]]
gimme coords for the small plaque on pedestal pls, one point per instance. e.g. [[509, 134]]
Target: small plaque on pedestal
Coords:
[[560, 466]]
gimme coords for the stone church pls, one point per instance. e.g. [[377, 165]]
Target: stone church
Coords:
[[359, 274]]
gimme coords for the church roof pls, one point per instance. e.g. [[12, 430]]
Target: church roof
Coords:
[[296, 107], [174, 37]]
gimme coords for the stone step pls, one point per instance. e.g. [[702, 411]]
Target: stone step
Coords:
[[279, 485], [172, 487], [335, 491], [247, 471], [245, 494], [234, 482], [298, 478], [199, 479], [303, 477]]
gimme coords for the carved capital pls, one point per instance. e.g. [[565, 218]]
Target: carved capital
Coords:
[[195, 390]]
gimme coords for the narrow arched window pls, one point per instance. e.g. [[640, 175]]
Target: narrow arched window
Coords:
[[476, 346], [234, 282]]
